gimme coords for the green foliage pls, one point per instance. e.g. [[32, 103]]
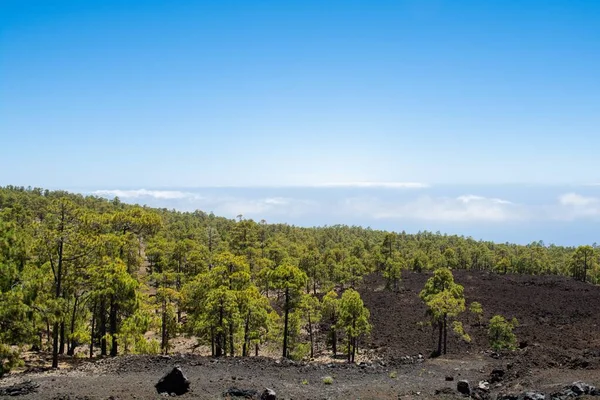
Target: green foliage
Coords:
[[8, 359], [476, 309], [353, 319], [419, 261], [584, 264], [392, 272], [300, 351], [444, 298], [500, 333], [459, 330], [328, 380]]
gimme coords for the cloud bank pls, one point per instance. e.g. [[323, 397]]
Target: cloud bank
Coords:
[[143, 193], [467, 208], [370, 204]]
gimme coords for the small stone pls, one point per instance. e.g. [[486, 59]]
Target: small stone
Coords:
[[449, 378], [463, 387], [534, 396], [580, 388], [268, 394]]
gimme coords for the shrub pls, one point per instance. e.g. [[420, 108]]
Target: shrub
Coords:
[[476, 309], [8, 359], [500, 333], [328, 380], [300, 351], [458, 329]]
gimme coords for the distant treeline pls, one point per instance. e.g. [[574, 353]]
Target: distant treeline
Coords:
[[81, 271]]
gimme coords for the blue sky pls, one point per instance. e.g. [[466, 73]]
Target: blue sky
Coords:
[[465, 98]]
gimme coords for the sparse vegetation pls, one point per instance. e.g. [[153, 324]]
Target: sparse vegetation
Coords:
[[500, 333], [476, 309], [123, 279], [328, 380]]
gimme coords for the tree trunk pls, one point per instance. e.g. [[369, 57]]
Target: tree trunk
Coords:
[[256, 350], [58, 281], [353, 340], [445, 332], [48, 332], [61, 346], [246, 335], [334, 341], [440, 338], [71, 350], [286, 320], [349, 349], [163, 331], [178, 287], [231, 347], [113, 327], [212, 340], [219, 337], [55, 345], [103, 345], [312, 342], [92, 331]]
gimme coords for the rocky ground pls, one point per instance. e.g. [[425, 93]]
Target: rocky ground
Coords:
[[559, 333]]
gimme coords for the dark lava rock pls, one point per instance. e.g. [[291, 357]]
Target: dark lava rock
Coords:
[[463, 387], [496, 375], [449, 378], [19, 389], [575, 390], [173, 382], [243, 393], [268, 394], [580, 388], [563, 395]]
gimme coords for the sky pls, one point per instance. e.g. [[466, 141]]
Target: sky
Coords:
[[472, 117]]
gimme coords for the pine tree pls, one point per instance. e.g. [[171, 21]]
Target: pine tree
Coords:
[[353, 319], [444, 298]]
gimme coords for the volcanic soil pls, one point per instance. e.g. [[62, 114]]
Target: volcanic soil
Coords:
[[559, 335]]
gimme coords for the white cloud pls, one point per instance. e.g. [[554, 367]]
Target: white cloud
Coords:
[[264, 207], [386, 185], [575, 206], [466, 208], [277, 201], [143, 193], [373, 204], [469, 198], [576, 200]]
